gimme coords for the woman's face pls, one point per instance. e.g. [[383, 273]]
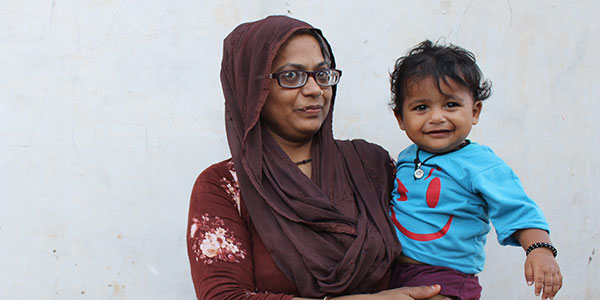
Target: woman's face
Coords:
[[296, 114]]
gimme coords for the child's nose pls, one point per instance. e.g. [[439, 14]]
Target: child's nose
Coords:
[[437, 116]]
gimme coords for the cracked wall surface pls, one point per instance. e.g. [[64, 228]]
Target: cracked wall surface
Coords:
[[111, 108]]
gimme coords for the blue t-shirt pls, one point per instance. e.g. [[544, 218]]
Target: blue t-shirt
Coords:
[[443, 218]]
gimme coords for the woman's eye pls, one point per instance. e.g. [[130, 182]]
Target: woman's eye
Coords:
[[322, 76], [289, 75], [322, 73]]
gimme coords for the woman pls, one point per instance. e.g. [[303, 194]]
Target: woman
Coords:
[[294, 212]]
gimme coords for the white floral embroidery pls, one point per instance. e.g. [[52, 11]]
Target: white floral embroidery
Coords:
[[232, 187], [213, 242]]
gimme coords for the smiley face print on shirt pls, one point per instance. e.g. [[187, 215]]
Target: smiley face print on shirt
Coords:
[[432, 198]]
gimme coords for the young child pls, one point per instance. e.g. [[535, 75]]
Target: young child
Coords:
[[448, 189]]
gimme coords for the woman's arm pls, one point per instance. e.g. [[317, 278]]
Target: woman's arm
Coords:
[[219, 242], [405, 293]]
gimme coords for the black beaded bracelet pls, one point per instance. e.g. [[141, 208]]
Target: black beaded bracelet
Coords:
[[541, 245]]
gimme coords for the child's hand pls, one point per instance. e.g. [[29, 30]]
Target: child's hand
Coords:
[[542, 269]]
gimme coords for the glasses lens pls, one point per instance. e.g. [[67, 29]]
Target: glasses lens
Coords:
[[327, 77], [298, 78], [292, 79]]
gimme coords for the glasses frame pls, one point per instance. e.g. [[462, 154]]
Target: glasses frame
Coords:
[[309, 74]]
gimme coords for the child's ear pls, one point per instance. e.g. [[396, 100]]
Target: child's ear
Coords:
[[477, 106], [398, 116]]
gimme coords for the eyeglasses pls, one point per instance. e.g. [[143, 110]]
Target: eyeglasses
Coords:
[[292, 79]]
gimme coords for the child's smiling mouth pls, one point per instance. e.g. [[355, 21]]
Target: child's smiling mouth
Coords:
[[439, 132]]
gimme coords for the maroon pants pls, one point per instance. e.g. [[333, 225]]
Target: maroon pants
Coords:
[[454, 283]]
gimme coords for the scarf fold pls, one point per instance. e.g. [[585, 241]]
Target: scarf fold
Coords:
[[329, 234]]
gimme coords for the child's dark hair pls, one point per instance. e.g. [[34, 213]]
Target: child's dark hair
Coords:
[[441, 62]]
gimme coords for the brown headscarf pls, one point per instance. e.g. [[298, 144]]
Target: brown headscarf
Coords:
[[328, 234]]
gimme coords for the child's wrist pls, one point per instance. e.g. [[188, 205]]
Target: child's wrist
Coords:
[[538, 245]]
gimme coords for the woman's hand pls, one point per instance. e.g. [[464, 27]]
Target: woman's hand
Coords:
[[542, 270], [404, 293], [408, 293]]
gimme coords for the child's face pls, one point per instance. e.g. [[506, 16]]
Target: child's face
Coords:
[[438, 122]]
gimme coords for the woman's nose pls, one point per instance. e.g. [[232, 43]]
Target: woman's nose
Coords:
[[311, 88]]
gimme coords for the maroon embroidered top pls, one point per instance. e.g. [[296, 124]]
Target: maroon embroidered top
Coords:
[[228, 259]]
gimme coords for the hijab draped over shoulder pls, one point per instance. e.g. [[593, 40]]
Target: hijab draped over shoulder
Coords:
[[328, 234]]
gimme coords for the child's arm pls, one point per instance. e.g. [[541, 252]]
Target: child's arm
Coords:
[[540, 266]]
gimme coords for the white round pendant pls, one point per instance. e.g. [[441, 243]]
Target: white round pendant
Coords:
[[419, 173]]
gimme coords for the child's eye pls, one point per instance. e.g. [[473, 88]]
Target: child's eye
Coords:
[[452, 104], [420, 107]]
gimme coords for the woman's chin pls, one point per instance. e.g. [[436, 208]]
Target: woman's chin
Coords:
[[303, 137], [305, 132]]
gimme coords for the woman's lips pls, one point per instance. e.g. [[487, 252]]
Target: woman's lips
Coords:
[[311, 109]]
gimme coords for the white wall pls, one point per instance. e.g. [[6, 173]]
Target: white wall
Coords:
[[110, 109]]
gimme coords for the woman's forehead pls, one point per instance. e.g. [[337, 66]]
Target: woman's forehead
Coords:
[[299, 51]]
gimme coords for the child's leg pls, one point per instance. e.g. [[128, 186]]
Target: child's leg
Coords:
[[442, 297], [455, 285]]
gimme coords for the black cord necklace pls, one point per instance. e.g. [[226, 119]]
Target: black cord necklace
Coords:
[[303, 161], [418, 163]]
